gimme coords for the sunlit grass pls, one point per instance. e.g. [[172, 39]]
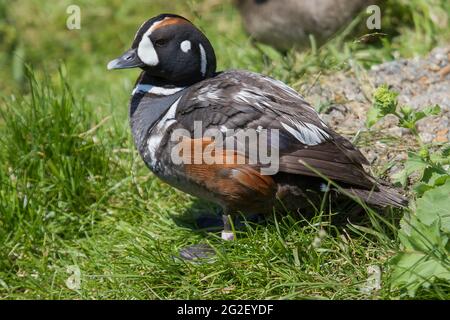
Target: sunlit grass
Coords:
[[74, 192]]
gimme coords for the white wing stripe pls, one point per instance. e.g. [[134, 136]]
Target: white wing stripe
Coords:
[[307, 133], [155, 139]]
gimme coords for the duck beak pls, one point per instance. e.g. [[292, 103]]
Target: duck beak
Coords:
[[129, 59]]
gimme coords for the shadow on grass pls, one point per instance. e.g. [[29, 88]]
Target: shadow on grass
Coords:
[[204, 217]]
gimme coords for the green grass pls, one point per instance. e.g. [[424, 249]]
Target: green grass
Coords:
[[74, 192]]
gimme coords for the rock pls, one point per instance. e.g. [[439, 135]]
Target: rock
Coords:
[[288, 23], [442, 136], [420, 84]]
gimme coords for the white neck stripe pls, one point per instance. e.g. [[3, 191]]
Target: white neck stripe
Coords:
[[148, 88], [203, 61]]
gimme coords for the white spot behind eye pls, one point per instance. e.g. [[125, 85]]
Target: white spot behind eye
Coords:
[[203, 62], [185, 46]]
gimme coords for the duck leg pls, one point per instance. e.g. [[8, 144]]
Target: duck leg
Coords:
[[227, 232]]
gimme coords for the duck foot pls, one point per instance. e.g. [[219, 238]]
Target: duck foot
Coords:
[[204, 251], [227, 235], [196, 252], [216, 223]]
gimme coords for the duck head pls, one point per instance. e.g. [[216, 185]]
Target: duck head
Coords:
[[171, 49]]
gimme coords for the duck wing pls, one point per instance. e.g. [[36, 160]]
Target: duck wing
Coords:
[[242, 100]]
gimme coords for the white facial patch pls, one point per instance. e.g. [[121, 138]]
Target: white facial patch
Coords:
[[203, 61], [185, 46], [146, 51]]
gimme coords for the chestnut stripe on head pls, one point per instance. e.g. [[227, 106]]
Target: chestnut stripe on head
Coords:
[[154, 24], [168, 21], [146, 50]]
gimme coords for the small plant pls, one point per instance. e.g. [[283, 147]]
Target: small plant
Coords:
[[424, 258]]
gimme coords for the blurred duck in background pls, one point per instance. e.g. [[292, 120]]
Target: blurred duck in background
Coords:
[[284, 24]]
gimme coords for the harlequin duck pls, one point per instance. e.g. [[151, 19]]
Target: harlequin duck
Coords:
[[179, 94]]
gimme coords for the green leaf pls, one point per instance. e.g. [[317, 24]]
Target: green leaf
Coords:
[[435, 205], [441, 158], [435, 176], [418, 236], [432, 177], [421, 187], [414, 164], [446, 152], [410, 117], [415, 269], [406, 111], [384, 103], [385, 100], [372, 117], [424, 258], [431, 111]]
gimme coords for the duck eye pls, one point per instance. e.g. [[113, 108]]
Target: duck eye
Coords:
[[161, 42]]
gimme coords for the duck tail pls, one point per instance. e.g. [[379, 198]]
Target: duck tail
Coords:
[[383, 197]]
